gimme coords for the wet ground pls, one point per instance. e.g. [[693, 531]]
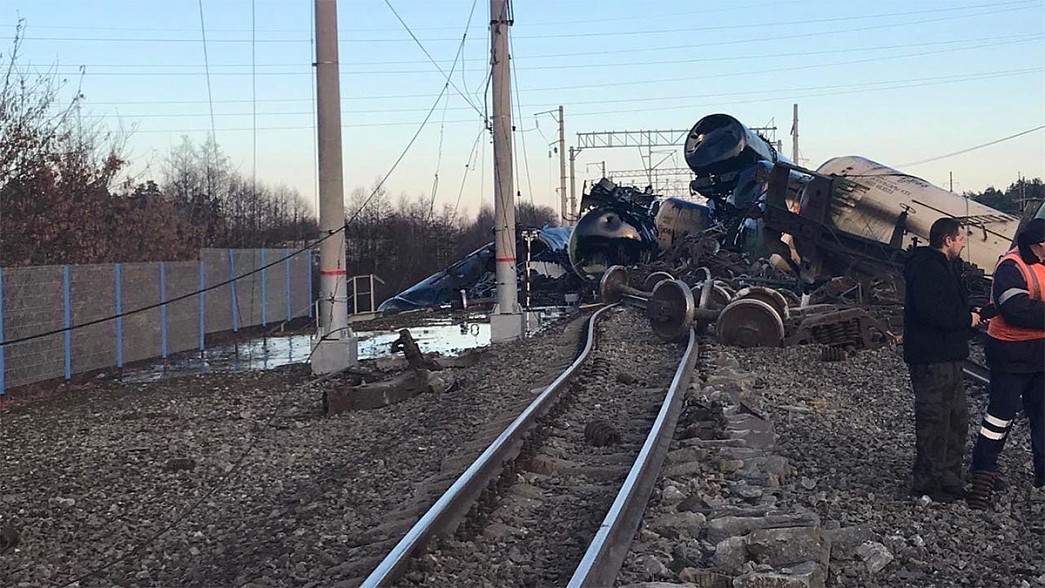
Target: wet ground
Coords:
[[447, 335]]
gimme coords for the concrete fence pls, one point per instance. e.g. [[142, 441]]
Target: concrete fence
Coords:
[[40, 299]]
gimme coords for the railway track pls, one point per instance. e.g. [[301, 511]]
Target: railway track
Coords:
[[585, 492]]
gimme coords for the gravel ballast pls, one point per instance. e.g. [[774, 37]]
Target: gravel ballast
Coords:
[[537, 528], [90, 475], [852, 452]]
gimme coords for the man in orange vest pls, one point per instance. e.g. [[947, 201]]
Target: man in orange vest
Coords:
[[1016, 355]]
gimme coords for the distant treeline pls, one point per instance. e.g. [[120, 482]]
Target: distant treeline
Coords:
[[65, 198], [62, 199], [1013, 199]]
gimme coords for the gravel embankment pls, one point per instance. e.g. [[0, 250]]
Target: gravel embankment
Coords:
[[90, 475], [851, 442], [535, 532]]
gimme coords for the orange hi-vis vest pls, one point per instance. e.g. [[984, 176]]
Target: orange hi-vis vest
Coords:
[[1034, 276]]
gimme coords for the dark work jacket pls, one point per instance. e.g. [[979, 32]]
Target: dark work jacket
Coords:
[[1017, 357], [936, 310]]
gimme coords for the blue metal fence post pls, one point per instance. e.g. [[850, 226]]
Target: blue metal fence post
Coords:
[[68, 324], [3, 383], [232, 288], [264, 310], [286, 268], [308, 261], [203, 306], [163, 310], [119, 319]]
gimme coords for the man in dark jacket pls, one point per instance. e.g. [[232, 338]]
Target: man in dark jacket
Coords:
[[936, 341], [1016, 355]]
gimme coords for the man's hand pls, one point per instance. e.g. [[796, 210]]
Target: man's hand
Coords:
[[976, 320]]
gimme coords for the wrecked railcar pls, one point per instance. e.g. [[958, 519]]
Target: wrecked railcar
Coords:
[[472, 275]]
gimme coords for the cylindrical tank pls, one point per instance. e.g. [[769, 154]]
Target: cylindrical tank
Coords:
[[677, 218], [605, 237], [719, 143], [882, 194]]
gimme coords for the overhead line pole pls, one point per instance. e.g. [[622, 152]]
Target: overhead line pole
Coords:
[[506, 322], [336, 347], [794, 137], [567, 215]]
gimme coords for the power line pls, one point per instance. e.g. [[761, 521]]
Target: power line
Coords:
[[583, 66], [963, 151], [762, 91], [1012, 6], [1006, 40], [659, 49], [449, 79], [788, 92], [644, 16], [206, 61]]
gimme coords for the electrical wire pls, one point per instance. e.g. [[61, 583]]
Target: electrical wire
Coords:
[[449, 78], [964, 151], [467, 167], [619, 64], [1000, 7], [851, 88], [1005, 40], [521, 132], [529, 57], [206, 65]]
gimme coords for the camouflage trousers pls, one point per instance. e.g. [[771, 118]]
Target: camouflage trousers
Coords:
[[941, 421]]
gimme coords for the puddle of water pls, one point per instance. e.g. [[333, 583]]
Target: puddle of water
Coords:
[[439, 335]]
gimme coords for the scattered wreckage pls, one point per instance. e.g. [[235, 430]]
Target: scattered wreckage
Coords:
[[770, 252]]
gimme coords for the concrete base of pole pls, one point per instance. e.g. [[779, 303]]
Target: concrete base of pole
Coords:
[[506, 327], [334, 354]]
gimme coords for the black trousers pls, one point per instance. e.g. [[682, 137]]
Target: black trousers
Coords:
[[1006, 393], [941, 421]]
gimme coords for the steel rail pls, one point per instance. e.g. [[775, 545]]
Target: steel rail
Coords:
[[606, 553], [455, 503]]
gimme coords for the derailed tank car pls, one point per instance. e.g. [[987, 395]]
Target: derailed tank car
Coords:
[[883, 198]]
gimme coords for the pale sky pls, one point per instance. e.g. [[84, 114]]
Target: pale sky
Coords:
[[894, 81]]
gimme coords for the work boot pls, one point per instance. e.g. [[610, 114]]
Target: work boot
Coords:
[[982, 490]]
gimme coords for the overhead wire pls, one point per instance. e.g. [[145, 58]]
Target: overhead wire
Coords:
[[645, 64], [449, 78], [468, 166], [1000, 8], [521, 131], [617, 100], [608, 51], [981, 146], [789, 94], [442, 126]]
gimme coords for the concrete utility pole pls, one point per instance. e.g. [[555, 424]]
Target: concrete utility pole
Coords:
[[567, 218], [506, 323], [336, 347], [794, 137], [573, 182]]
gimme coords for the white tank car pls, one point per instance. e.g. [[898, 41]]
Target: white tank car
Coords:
[[883, 193]]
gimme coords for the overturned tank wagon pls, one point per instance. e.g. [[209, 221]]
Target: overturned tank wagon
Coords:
[[618, 228], [547, 255], [883, 202]]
